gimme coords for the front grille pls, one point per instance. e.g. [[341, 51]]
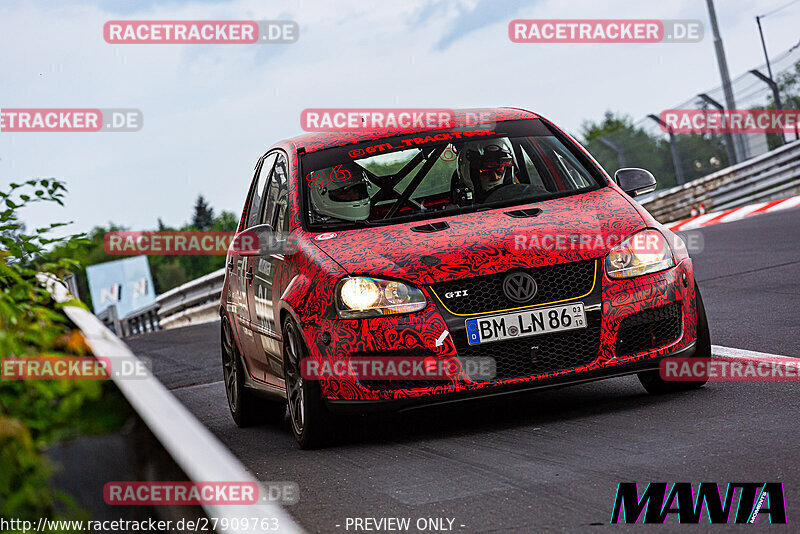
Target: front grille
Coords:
[[546, 353], [485, 293], [649, 329]]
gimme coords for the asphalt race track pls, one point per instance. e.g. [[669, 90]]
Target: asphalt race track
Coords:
[[547, 461]]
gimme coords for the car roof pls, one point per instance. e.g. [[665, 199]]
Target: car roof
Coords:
[[312, 142]]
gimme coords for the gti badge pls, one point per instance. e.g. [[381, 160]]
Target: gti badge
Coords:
[[455, 294]]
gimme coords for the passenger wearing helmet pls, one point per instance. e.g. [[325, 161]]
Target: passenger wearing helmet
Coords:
[[347, 199], [488, 165]]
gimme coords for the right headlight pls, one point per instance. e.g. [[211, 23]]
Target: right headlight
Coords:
[[644, 252], [361, 296]]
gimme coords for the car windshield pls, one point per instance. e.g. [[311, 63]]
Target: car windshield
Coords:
[[436, 173]]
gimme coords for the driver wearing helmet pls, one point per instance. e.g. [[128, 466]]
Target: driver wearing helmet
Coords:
[[346, 199], [490, 165]]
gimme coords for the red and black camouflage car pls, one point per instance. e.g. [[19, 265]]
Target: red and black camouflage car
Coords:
[[503, 243]]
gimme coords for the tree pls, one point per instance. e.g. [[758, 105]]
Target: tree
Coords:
[[789, 86], [639, 149], [700, 154], [203, 214], [168, 273], [227, 221]]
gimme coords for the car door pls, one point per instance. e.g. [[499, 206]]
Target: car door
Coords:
[[264, 293], [246, 267]]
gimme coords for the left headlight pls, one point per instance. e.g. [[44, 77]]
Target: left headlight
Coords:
[[361, 296], [644, 252]]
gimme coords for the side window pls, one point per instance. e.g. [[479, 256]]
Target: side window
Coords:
[[276, 193], [256, 200]]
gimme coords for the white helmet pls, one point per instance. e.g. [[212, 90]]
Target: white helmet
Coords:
[[347, 199]]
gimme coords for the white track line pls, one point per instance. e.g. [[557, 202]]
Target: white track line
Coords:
[[729, 352]]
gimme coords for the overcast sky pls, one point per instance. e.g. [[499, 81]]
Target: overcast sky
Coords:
[[211, 110]]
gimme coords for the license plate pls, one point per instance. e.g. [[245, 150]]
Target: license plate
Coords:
[[526, 323]]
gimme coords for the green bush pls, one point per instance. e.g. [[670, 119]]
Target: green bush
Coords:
[[35, 413]]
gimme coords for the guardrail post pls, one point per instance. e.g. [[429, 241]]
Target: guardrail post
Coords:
[[114, 319]]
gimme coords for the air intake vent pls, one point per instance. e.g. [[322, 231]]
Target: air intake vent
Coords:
[[522, 214], [431, 227]]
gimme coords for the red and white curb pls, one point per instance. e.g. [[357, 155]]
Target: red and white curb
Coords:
[[733, 214]]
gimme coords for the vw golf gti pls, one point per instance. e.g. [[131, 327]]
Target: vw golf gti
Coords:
[[503, 242]]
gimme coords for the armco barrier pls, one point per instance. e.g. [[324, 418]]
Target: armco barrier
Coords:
[[194, 302], [770, 176], [194, 449], [136, 322]]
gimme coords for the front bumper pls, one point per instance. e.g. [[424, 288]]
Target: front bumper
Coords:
[[608, 305], [411, 403]]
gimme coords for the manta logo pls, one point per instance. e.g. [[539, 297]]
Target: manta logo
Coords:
[[756, 499]]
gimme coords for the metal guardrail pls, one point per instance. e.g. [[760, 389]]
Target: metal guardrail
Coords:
[[136, 322], [770, 176], [195, 450], [194, 302]]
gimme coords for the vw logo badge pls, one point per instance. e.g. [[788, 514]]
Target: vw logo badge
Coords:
[[519, 287]]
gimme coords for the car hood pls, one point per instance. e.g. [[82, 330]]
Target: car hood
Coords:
[[577, 227]]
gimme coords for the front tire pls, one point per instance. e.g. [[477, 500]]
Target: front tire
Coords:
[[246, 408], [652, 381], [310, 420]]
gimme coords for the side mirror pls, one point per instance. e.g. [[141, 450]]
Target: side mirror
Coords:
[[635, 181], [257, 241]]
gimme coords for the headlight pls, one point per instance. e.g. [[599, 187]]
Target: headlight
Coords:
[[370, 297], [644, 252]]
